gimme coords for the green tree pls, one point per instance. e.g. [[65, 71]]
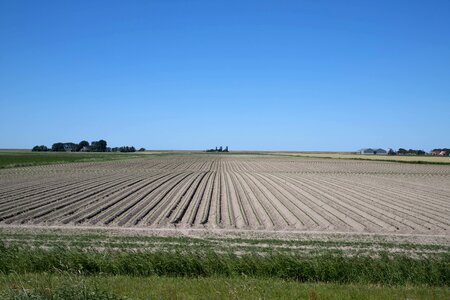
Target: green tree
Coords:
[[102, 144], [99, 146], [402, 151], [58, 147], [36, 148], [82, 144]]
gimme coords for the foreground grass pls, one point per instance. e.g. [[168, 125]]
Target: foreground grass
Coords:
[[95, 266], [13, 159], [335, 267], [68, 286]]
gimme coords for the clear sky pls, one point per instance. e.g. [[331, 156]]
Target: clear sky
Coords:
[[255, 75]]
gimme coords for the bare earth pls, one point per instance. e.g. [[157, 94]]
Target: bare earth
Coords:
[[257, 195]]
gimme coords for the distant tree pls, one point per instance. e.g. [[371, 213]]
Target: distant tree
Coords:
[[124, 149], [102, 144], [141, 149], [94, 146], [412, 152], [70, 146], [82, 144], [391, 152], [40, 148], [218, 149], [58, 147], [99, 146], [402, 151]]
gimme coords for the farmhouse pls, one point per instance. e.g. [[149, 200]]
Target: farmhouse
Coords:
[[440, 152], [370, 151]]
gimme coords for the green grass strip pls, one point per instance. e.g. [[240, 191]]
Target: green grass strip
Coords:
[[338, 268], [27, 159], [74, 287]]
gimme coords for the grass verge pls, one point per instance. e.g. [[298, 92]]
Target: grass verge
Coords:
[[336, 267], [306, 246], [98, 266], [68, 286]]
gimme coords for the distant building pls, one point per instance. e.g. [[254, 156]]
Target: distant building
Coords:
[[370, 151], [380, 151], [440, 152], [366, 151]]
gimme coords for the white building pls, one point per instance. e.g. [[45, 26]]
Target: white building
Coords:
[[370, 151]]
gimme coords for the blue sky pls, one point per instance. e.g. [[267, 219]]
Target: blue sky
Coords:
[[254, 75]]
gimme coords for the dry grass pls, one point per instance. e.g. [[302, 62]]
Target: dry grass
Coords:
[[352, 155]]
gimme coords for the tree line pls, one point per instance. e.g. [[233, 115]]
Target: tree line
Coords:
[[84, 146], [220, 149], [402, 151]]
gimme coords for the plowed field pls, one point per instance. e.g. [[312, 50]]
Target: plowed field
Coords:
[[241, 192]]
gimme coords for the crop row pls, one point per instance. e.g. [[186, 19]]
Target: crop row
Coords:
[[232, 192]]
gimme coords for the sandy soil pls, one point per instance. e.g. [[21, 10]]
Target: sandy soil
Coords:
[[253, 195]]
